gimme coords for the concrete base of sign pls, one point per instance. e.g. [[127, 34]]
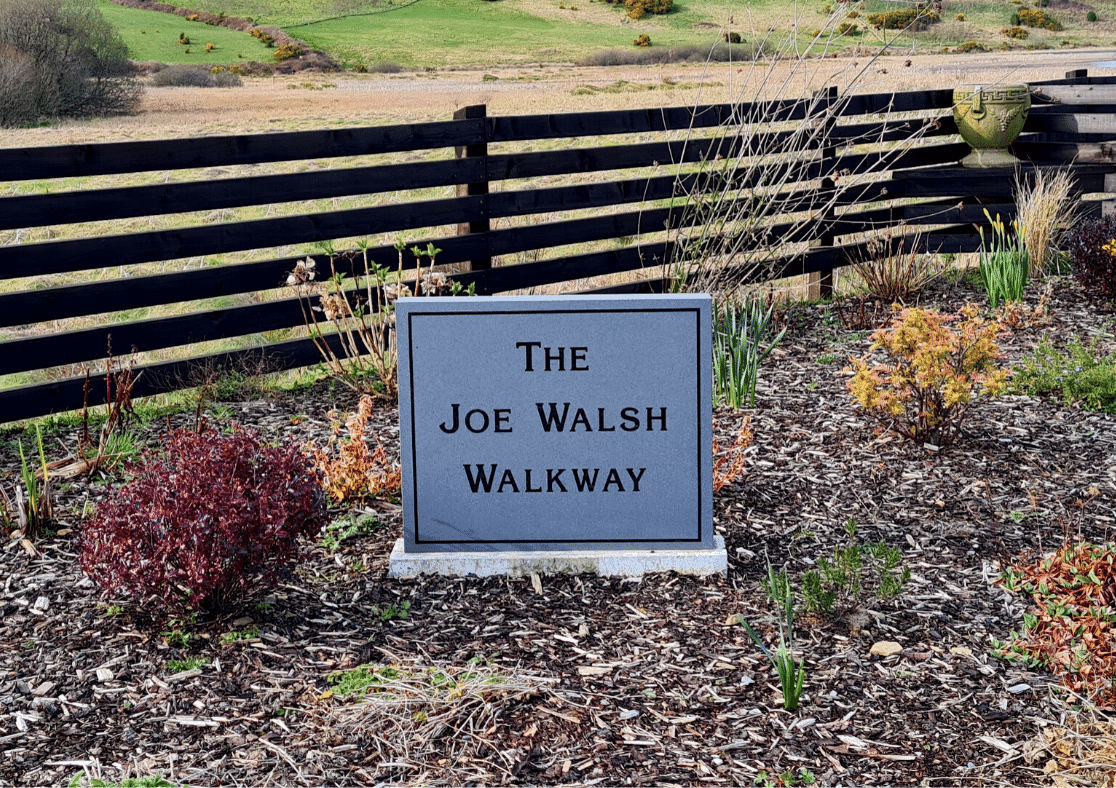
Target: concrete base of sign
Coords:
[[622, 563]]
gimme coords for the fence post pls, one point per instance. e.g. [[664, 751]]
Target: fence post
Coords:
[[820, 283], [479, 150]]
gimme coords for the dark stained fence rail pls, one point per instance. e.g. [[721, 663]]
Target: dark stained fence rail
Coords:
[[621, 185]]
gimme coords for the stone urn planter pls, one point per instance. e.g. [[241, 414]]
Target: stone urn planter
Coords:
[[989, 119]]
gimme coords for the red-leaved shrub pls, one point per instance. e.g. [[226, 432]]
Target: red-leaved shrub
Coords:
[[205, 522], [1093, 266]]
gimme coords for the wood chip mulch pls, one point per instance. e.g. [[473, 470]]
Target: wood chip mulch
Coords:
[[594, 680]]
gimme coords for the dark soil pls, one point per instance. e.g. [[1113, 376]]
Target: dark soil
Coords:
[[605, 680]]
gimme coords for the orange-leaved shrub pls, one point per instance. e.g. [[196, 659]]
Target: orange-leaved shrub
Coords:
[[205, 522], [932, 375], [348, 468]]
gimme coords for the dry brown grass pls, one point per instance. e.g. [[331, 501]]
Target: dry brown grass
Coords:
[[1045, 211], [1076, 753], [423, 721]]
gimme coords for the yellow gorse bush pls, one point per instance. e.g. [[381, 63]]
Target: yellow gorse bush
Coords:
[[932, 375]]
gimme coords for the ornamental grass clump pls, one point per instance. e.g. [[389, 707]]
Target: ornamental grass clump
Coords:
[[932, 373], [206, 522], [1046, 208], [894, 269]]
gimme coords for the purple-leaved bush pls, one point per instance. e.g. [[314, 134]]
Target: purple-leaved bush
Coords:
[[205, 522], [1094, 267]]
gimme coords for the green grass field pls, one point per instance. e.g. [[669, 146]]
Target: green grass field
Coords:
[[431, 33], [152, 35]]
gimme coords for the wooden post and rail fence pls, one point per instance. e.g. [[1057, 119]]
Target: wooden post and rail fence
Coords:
[[606, 212]]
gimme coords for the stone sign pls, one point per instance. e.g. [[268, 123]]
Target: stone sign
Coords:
[[556, 423]]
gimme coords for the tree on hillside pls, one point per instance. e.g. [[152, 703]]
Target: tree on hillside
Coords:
[[60, 58]]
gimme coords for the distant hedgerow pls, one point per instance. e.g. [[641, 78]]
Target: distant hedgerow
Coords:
[[195, 77], [263, 37], [205, 522], [637, 9]]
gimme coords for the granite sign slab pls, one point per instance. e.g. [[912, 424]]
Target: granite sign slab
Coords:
[[556, 423]]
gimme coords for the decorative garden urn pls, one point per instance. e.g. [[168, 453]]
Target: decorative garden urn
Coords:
[[989, 119]]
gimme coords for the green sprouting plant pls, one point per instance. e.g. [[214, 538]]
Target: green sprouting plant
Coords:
[[361, 315], [739, 327], [153, 781], [394, 610], [221, 413], [792, 673], [1004, 262], [176, 634], [788, 777], [112, 611], [1080, 374], [29, 509], [182, 665], [339, 530], [360, 680], [237, 635], [455, 288], [851, 572]]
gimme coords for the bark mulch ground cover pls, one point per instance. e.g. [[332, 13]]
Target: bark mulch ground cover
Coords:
[[341, 675]]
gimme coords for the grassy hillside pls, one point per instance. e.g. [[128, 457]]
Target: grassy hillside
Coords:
[[152, 35], [430, 33], [456, 32]]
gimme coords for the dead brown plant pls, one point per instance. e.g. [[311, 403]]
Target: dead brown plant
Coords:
[[102, 453], [349, 469], [435, 721], [1078, 752], [894, 270], [729, 465]]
